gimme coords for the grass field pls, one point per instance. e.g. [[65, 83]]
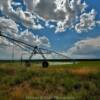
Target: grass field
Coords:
[[80, 81]]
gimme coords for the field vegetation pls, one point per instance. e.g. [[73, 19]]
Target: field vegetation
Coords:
[[77, 81]]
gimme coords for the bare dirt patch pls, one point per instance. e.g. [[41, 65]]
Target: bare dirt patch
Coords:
[[83, 71]]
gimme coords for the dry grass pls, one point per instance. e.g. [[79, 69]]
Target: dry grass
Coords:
[[58, 80], [83, 71]]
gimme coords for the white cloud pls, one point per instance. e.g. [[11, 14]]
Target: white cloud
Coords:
[[34, 39], [16, 3], [31, 4], [87, 22], [60, 27], [18, 15], [66, 14], [8, 25], [5, 4], [86, 48], [3, 42], [59, 9], [60, 5], [98, 22]]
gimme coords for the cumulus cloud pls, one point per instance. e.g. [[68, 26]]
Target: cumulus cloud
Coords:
[[28, 37], [60, 27], [87, 22], [58, 10], [86, 48], [16, 4], [34, 39], [18, 15], [98, 22], [5, 4], [8, 25], [27, 19], [31, 4], [3, 42], [66, 13]]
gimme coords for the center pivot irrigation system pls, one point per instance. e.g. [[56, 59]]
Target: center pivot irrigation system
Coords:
[[34, 50]]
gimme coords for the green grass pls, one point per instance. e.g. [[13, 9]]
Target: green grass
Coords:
[[19, 83]]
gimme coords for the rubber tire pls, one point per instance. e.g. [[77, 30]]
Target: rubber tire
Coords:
[[45, 64]]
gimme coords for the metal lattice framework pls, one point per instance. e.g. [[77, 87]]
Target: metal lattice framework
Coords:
[[29, 47]]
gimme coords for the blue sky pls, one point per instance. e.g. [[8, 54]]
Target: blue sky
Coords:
[[70, 38]]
